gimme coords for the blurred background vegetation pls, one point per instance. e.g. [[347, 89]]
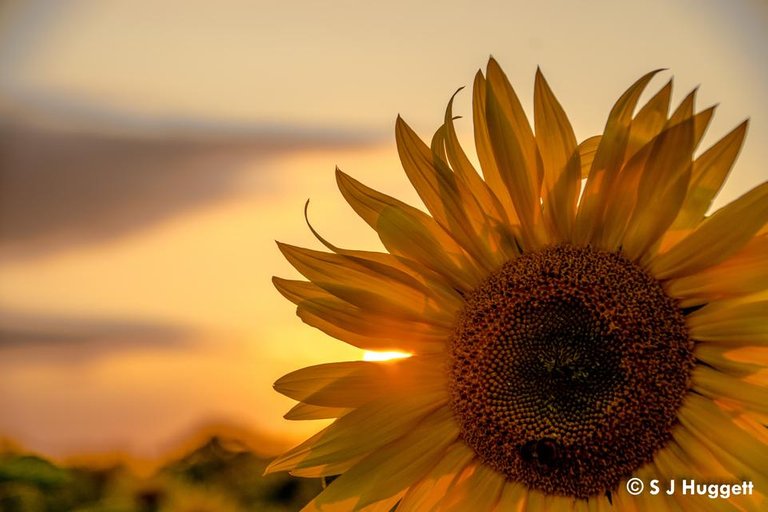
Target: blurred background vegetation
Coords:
[[221, 475]]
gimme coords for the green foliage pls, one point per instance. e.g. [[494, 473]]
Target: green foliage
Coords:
[[220, 476]]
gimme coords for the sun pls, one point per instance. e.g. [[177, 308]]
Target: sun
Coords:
[[372, 355]]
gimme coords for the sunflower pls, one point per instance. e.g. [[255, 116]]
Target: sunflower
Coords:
[[574, 318]]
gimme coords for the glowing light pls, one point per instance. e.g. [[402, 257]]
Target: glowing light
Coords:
[[370, 355]]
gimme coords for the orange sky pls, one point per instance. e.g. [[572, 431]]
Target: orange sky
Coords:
[[156, 152]]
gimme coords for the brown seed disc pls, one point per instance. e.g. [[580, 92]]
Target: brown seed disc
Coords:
[[568, 368]]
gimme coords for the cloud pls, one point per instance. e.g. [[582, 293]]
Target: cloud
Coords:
[[71, 339], [78, 168], [59, 188]]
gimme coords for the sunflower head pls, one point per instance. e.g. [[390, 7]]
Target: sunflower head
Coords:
[[575, 317], [562, 359]]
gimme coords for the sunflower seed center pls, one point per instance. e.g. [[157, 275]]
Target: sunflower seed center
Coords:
[[568, 367]]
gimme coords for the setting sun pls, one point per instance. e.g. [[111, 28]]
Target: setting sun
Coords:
[[370, 355]]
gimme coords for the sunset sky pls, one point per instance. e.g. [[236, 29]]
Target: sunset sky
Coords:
[[152, 152]]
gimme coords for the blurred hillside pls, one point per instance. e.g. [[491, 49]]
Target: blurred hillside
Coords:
[[221, 475]]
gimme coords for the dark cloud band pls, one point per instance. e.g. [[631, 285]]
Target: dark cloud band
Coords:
[[63, 188]]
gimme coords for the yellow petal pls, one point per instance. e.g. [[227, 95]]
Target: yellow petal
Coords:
[[464, 169], [300, 291], [361, 328], [715, 385], [398, 266], [702, 460], [397, 228], [477, 489], [355, 383], [303, 412], [731, 323], [621, 501], [353, 326], [587, 150], [742, 454], [648, 191], [598, 504], [607, 162], [621, 203], [484, 148], [700, 128], [727, 360], [560, 159], [437, 187], [708, 175], [325, 384], [376, 288], [669, 467], [512, 110], [703, 465], [579, 506], [487, 248], [493, 230], [744, 273], [409, 232], [348, 504], [427, 494], [662, 187], [404, 462], [514, 149], [685, 111], [540, 501], [513, 498], [718, 237], [376, 261], [361, 431], [649, 121], [643, 501]]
